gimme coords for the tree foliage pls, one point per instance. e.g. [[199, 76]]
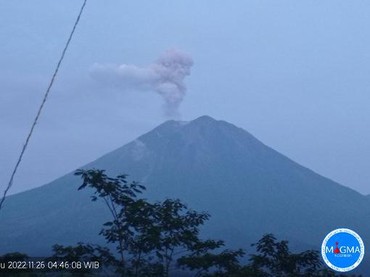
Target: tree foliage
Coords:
[[162, 239], [273, 258], [155, 239], [151, 239]]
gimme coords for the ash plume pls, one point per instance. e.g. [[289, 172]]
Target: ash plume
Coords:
[[165, 76]]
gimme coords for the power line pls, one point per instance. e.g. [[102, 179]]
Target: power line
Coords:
[[10, 183]]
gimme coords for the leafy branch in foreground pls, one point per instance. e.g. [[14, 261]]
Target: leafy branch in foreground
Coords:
[[151, 239]]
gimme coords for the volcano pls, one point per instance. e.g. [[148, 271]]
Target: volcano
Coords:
[[248, 189]]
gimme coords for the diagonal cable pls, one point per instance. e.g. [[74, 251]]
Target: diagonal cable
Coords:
[[10, 183]]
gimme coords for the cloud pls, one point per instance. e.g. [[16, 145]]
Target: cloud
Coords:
[[166, 76]]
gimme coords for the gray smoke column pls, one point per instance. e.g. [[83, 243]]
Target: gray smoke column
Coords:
[[165, 76]]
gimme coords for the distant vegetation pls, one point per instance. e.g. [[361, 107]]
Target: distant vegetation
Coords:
[[162, 239]]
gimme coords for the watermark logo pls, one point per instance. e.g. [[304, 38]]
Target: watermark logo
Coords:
[[342, 250]]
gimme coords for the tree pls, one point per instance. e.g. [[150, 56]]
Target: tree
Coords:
[[274, 259], [150, 238], [177, 229], [128, 212], [207, 263]]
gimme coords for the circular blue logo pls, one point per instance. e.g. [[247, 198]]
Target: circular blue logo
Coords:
[[342, 250]]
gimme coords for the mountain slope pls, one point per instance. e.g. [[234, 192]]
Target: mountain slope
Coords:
[[248, 188]]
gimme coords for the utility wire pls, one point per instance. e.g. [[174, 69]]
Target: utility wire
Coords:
[[42, 105]]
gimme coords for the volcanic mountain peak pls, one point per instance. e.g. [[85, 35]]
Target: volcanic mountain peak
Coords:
[[203, 129], [248, 188]]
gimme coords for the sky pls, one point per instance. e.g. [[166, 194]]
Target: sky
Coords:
[[295, 74]]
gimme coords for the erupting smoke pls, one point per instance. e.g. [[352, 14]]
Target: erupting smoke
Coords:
[[165, 76]]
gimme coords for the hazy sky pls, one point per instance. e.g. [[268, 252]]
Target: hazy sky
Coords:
[[296, 74]]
